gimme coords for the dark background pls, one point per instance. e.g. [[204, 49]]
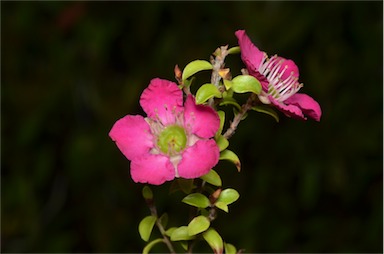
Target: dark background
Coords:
[[69, 70]]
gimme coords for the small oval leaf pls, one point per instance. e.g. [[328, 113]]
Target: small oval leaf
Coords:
[[230, 101], [149, 246], [227, 84], [222, 143], [206, 92], [222, 206], [170, 231], [186, 185], [146, 226], [229, 248], [234, 50], [198, 224], [266, 110], [164, 220], [196, 199], [184, 245], [214, 240], [194, 67], [222, 121], [212, 177], [181, 233], [228, 196], [246, 83], [231, 156]]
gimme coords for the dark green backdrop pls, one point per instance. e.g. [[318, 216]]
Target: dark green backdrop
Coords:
[[69, 70]]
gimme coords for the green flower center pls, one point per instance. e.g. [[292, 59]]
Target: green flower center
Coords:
[[172, 139]]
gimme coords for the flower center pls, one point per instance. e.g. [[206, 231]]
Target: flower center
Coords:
[[280, 88], [172, 139]]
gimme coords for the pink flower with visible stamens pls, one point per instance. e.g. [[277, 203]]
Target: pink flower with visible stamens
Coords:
[[175, 140], [279, 79]]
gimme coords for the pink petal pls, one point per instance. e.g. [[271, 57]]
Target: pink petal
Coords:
[[289, 110], [132, 136], [291, 68], [307, 104], [201, 120], [252, 57], [250, 54], [198, 159], [161, 100], [152, 168]]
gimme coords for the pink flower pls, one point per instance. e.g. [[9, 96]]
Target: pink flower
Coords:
[[175, 140], [279, 79]]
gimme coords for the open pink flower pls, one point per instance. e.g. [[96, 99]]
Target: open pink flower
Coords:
[[175, 140], [279, 79]]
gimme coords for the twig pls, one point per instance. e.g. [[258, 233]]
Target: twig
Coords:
[[218, 64], [239, 116], [152, 208]]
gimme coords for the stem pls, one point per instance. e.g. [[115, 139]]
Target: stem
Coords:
[[236, 120], [218, 64], [152, 208]]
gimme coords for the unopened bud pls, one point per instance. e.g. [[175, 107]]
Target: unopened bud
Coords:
[[214, 196], [178, 73], [147, 193]]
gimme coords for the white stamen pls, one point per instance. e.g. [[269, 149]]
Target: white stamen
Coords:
[[279, 88]]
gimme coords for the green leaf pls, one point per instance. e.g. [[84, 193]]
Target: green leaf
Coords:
[[164, 220], [212, 177], [146, 226], [229, 248], [149, 246], [184, 245], [267, 110], [198, 224], [186, 185], [231, 156], [181, 233], [206, 92], [235, 112], [228, 196], [222, 206], [234, 50], [227, 84], [196, 199], [147, 192], [222, 121], [194, 67], [170, 231], [230, 101], [222, 143], [246, 83], [214, 240]]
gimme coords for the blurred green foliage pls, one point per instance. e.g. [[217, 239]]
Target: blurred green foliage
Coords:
[[71, 69]]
